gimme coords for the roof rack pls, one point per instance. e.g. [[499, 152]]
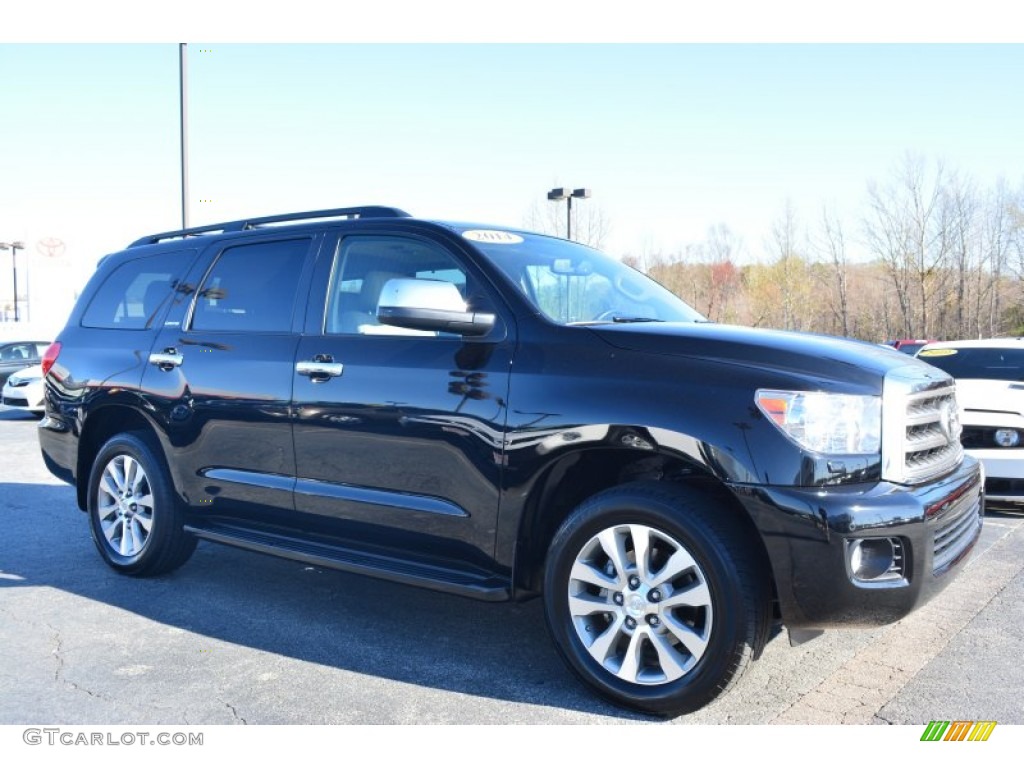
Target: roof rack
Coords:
[[360, 212]]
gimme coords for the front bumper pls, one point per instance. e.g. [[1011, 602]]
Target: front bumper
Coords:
[[1004, 473], [808, 534]]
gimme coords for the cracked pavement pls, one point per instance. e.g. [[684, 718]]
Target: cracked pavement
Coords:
[[239, 638]]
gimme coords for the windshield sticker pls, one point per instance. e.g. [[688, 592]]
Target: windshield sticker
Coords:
[[936, 352], [492, 236]]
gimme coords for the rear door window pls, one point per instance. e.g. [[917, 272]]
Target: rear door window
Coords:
[[252, 288]]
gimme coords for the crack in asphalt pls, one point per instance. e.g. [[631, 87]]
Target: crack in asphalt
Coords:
[[58, 673], [234, 712]]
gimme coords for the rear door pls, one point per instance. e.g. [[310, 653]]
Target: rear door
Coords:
[[220, 376]]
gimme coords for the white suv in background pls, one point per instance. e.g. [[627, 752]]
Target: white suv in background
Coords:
[[989, 376]]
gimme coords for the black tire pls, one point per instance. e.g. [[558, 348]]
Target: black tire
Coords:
[[675, 658], [137, 523]]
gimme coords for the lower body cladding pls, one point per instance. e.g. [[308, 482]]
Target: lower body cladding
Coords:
[[865, 555]]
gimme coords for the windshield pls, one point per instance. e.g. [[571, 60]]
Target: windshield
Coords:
[[977, 362], [910, 349], [572, 284]]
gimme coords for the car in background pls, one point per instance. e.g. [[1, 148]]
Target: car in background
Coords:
[[909, 346], [989, 376], [25, 389], [15, 355]]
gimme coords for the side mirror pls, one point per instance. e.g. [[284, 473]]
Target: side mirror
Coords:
[[429, 305]]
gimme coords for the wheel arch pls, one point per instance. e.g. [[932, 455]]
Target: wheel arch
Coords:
[[575, 477], [102, 424]]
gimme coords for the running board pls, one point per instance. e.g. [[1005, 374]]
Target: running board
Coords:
[[479, 586]]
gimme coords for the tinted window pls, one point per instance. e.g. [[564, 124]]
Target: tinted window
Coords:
[[910, 349], [251, 288], [978, 363], [364, 265], [134, 293]]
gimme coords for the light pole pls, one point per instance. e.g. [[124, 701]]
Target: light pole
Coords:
[[563, 193], [14, 248], [183, 102]]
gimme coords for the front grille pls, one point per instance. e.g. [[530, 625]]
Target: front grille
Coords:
[[956, 529], [1004, 486], [16, 401], [920, 424]]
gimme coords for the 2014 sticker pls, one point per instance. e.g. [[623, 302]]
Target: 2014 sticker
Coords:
[[492, 236]]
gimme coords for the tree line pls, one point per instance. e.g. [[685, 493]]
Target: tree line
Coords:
[[930, 255]]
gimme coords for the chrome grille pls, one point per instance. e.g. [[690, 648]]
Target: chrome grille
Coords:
[[920, 424], [957, 529]]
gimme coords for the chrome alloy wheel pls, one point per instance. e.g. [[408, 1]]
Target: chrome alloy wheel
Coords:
[[640, 604], [125, 505]]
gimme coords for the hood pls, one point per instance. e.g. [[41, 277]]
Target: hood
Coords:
[[990, 395], [812, 355]]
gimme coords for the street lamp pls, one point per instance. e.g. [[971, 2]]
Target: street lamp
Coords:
[[563, 193], [14, 248]]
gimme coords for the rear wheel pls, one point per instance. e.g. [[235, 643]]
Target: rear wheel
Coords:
[[654, 596], [137, 524]]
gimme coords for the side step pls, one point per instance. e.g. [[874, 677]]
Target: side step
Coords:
[[477, 585]]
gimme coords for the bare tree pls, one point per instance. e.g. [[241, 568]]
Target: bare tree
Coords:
[[906, 229], [789, 271], [590, 224], [997, 241], [960, 217], [831, 244]]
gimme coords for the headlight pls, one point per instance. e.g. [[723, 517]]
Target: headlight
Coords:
[[826, 423]]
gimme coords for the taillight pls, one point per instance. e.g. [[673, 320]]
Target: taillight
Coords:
[[50, 357]]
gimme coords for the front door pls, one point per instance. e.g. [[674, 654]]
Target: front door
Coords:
[[399, 433]]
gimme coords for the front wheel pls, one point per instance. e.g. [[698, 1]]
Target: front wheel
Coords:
[[137, 524], [655, 597]]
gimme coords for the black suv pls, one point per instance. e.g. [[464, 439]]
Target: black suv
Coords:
[[501, 414]]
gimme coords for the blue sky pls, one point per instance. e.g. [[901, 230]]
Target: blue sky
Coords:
[[671, 138]]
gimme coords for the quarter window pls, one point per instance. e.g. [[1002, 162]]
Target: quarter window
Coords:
[[133, 295]]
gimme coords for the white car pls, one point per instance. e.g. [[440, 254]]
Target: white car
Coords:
[[989, 377], [24, 389]]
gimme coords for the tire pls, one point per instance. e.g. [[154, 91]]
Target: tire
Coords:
[[137, 523], [667, 632]]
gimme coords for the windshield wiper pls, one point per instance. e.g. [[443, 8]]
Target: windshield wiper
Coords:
[[618, 319]]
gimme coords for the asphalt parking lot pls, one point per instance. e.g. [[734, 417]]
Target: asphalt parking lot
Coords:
[[236, 637]]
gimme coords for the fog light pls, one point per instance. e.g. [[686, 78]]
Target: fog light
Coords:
[[1007, 438], [871, 559]]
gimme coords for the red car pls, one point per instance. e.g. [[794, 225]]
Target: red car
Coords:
[[910, 346]]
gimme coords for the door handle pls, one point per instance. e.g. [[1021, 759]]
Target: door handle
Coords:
[[319, 370], [167, 360]]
